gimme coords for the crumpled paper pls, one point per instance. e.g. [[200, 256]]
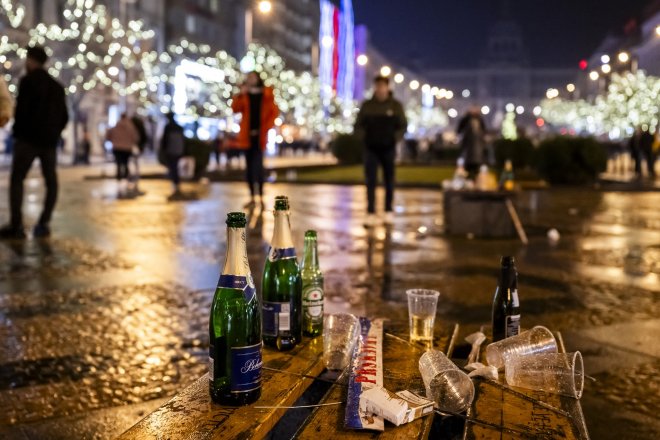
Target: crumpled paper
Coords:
[[477, 369], [475, 339]]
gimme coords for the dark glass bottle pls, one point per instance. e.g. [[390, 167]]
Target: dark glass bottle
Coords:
[[506, 307], [235, 325], [282, 285], [312, 285]]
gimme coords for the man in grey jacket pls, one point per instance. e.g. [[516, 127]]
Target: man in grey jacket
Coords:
[[381, 124]]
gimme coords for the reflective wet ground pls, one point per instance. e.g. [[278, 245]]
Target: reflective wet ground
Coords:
[[103, 322]]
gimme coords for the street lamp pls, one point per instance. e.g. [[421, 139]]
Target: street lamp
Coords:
[[398, 78], [265, 6], [606, 68], [362, 59], [623, 57], [605, 59], [385, 70], [593, 75], [657, 30], [414, 84], [570, 87]]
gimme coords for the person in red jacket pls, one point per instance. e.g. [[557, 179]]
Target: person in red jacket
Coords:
[[256, 103]]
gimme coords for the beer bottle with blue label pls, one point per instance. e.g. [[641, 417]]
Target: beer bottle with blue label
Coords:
[[235, 325], [282, 285], [506, 306], [312, 284]]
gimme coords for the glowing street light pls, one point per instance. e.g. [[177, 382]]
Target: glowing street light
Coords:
[[265, 6], [520, 109], [623, 57], [385, 70], [362, 59], [452, 112], [426, 88], [537, 110], [449, 94], [414, 84], [657, 30], [593, 75], [605, 59], [398, 78], [465, 93], [509, 107], [606, 68], [485, 110], [570, 87]]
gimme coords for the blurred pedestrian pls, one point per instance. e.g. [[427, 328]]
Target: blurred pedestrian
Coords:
[[380, 124], [84, 149], [256, 103], [142, 142], [124, 137], [641, 148], [6, 103], [41, 115], [473, 143], [172, 146]]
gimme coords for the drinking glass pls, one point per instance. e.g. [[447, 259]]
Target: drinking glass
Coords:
[[422, 305]]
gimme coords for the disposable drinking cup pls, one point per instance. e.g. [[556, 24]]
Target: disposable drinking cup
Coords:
[[340, 334], [422, 305], [558, 373], [536, 340], [449, 387]]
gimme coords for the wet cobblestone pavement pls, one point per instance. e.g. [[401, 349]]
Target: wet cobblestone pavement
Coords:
[[103, 322]]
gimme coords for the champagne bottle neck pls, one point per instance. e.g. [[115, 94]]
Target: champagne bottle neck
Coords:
[[236, 260], [282, 231]]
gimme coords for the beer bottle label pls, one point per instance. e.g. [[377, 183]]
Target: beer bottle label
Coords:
[[512, 325], [276, 318], [276, 254], [313, 303], [245, 368], [239, 282]]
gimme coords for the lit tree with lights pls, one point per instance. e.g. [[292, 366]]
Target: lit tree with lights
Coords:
[[631, 100], [91, 51]]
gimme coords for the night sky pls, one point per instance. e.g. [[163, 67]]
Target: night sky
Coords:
[[451, 33]]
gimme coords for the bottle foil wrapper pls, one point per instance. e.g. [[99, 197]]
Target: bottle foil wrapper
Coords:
[[397, 408]]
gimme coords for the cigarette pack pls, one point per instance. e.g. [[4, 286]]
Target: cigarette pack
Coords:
[[417, 406], [366, 373], [385, 404]]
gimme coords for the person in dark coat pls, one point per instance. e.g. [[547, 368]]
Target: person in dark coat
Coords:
[[380, 124], [473, 143], [40, 117], [172, 145]]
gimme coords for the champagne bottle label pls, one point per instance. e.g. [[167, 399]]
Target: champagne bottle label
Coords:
[[276, 254], [244, 283], [276, 318], [245, 368], [212, 361], [313, 302], [512, 325]]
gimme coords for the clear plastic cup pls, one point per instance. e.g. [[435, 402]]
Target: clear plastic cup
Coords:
[[449, 387], [558, 373], [422, 305], [536, 340], [340, 334]]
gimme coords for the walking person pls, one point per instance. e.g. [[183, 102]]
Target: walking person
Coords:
[[123, 137], [41, 115], [172, 145], [256, 103], [137, 151], [473, 143], [380, 124]]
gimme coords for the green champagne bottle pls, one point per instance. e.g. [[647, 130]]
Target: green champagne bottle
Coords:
[[235, 325], [282, 285], [312, 285]]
